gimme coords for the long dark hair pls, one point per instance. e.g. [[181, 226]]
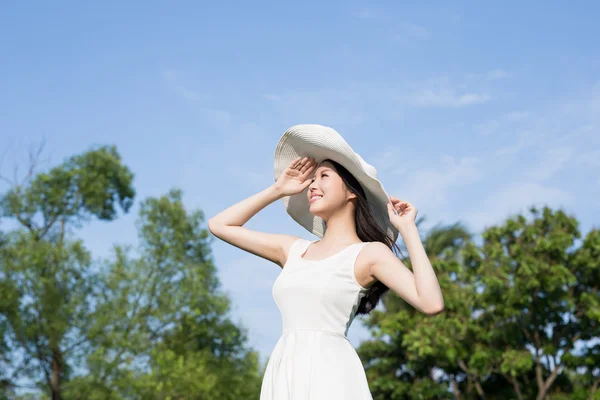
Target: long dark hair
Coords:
[[368, 231]]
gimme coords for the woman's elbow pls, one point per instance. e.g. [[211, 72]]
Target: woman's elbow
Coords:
[[214, 227], [433, 309]]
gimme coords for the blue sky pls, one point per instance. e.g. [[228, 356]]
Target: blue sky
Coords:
[[470, 111]]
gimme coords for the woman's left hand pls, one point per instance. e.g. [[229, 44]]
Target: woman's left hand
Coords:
[[407, 213]]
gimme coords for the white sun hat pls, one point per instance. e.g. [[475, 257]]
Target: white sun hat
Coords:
[[321, 143]]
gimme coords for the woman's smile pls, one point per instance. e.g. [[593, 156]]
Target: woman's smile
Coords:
[[315, 197]]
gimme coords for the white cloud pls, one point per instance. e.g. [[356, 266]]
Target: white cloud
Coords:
[[387, 160], [563, 138], [218, 118], [517, 115], [446, 98], [428, 187], [402, 29], [187, 94], [524, 140], [552, 161], [504, 124], [516, 175], [528, 147], [497, 74], [442, 92], [488, 76], [334, 107], [488, 127], [345, 107], [412, 31], [590, 159], [272, 97], [172, 76]]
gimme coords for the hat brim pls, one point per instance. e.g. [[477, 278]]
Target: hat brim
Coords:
[[321, 143]]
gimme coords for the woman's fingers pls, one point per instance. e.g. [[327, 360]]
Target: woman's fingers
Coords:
[[399, 205], [303, 164], [307, 165], [295, 163], [396, 200], [308, 173]]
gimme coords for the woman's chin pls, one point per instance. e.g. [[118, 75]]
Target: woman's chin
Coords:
[[315, 210]]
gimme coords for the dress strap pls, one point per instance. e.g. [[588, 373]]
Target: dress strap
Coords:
[[354, 251], [350, 261], [298, 248]]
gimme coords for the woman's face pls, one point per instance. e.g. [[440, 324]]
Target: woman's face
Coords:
[[327, 192]]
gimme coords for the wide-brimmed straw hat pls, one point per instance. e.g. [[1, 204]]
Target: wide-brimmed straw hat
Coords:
[[321, 143]]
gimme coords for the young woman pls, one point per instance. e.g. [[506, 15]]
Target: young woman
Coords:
[[325, 283]]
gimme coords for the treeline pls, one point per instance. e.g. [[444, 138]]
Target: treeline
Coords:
[[150, 322]]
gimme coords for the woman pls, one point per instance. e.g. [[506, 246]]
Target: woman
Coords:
[[331, 191]]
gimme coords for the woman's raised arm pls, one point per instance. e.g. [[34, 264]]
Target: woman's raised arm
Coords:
[[228, 224]]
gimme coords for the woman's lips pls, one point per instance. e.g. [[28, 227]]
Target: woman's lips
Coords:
[[315, 198]]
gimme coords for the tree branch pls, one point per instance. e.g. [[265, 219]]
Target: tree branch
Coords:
[[550, 366], [516, 387], [463, 366], [593, 389], [455, 388], [34, 158], [477, 384], [42, 361], [543, 389], [33, 155]]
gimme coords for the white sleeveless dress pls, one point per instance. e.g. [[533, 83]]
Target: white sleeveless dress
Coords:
[[313, 359]]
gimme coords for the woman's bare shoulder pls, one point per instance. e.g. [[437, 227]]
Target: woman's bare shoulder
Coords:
[[374, 252]]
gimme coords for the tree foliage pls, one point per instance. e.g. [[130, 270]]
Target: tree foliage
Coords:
[[521, 314], [148, 322]]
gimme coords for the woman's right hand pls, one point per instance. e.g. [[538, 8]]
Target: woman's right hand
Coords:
[[295, 178]]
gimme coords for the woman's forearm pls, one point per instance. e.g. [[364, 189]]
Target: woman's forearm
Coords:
[[239, 213], [426, 281]]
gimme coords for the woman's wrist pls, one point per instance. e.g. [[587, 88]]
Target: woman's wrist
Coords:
[[275, 191], [407, 229]]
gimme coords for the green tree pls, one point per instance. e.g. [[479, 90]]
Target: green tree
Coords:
[[515, 306], [539, 296], [148, 322], [44, 278], [162, 330], [586, 263], [402, 359]]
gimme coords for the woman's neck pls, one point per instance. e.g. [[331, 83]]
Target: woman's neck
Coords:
[[341, 229]]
